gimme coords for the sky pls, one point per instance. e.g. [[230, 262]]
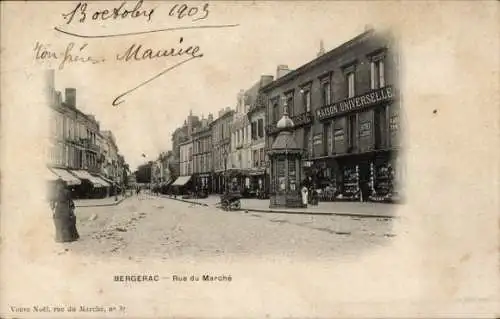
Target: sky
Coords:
[[268, 34]]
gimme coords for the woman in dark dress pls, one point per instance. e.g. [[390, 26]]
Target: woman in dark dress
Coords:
[[64, 216]]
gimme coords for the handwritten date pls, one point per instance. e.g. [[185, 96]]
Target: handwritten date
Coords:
[[80, 11]]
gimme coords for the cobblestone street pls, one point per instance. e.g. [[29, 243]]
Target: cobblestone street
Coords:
[[164, 228]]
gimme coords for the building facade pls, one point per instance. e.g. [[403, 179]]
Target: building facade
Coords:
[[186, 156], [241, 155], [79, 153], [202, 155], [221, 148], [181, 135], [256, 101], [345, 108], [112, 166], [73, 153]]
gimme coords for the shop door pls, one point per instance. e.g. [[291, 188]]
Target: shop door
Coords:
[[364, 178]]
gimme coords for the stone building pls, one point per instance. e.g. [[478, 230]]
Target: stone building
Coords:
[[202, 155], [241, 155], [221, 147], [256, 104], [74, 154], [345, 108], [181, 135]]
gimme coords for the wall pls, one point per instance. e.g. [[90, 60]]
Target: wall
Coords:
[[331, 67]]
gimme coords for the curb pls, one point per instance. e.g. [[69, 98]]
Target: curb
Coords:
[[185, 201], [289, 212], [104, 205]]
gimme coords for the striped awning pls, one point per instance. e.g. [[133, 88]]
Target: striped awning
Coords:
[[66, 176], [96, 182]]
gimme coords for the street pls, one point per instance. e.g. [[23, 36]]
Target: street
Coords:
[[156, 227]]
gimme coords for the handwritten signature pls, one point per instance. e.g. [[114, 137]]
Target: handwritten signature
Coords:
[[135, 52]]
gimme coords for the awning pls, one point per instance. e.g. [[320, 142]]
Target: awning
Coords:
[[50, 175], [96, 182], [181, 181], [66, 176], [106, 179], [257, 172], [102, 181]]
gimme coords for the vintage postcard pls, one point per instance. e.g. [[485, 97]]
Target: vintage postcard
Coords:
[[249, 159]]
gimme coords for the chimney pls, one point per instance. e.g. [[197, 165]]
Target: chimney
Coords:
[[265, 80], [70, 96], [321, 48], [282, 70], [210, 118]]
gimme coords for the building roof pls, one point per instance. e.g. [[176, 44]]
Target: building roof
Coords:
[[322, 58], [284, 142]]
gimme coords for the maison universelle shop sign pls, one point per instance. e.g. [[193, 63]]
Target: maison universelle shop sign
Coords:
[[356, 103]]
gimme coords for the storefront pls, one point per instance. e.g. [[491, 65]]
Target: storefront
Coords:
[[204, 182], [182, 185], [360, 146]]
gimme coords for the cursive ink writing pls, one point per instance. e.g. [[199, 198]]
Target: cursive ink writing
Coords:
[[181, 11], [42, 52], [138, 53], [71, 57], [118, 100], [116, 13]]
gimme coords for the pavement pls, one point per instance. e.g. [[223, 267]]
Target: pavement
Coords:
[[356, 209], [96, 202], [151, 226]]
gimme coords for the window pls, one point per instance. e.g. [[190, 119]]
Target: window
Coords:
[[260, 128], [255, 158], [306, 99], [350, 84], [325, 93], [377, 74], [262, 156], [276, 111], [254, 130], [289, 103]]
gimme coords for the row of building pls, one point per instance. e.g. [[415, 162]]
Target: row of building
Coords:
[[80, 153], [346, 115]]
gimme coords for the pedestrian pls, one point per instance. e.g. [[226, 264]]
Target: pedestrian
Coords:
[[64, 214], [304, 195]]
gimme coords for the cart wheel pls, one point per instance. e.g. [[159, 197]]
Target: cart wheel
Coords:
[[237, 205]]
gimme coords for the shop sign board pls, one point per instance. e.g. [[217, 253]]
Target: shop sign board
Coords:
[[356, 103]]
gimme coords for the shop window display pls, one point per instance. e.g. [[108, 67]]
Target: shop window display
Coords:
[[351, 183], [382, 182]]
